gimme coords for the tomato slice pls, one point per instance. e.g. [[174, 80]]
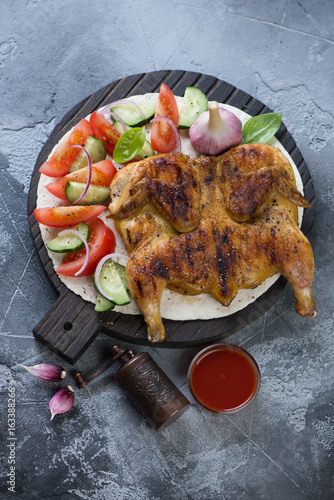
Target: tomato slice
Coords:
[[163, 138], [67, 216], [60, 162], [101, 242], [102, 174], [104, 131]]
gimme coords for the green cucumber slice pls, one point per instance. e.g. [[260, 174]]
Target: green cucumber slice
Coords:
[[121, 271], [103, 304], [70, 242], [146, 150], [131, 116], [95, 195], [96, 150], [112, 282], [194, 103], [119, 127]]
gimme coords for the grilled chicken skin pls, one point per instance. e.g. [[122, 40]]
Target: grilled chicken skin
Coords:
[[210, 225]]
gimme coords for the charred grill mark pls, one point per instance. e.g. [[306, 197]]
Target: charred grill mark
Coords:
[[223, 268], [222, 237], [188, 250], [267, 246], [200, 247], [253, 152], [225, 238], [182, 204], [273, 256], [176, 258], [174, 196], [139, 287], [189, 255], [211, 177], [159, 269], [226, 257], [216, 235]]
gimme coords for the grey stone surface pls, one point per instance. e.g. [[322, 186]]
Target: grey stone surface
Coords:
[[52, 55]]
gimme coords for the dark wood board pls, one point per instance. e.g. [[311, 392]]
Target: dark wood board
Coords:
[[72, 324]]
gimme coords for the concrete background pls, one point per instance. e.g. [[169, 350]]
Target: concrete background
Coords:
[[52, 55]]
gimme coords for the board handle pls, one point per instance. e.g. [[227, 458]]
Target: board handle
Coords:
[[69, 327]]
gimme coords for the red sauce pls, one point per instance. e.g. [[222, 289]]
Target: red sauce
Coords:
[[224, 378]]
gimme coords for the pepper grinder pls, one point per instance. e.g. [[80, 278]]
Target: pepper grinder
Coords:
[[146, 385]]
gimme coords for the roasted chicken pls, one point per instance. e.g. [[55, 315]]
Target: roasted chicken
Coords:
[[210, 225]]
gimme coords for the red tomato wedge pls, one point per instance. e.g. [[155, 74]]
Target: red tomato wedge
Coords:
[[102, 174], [104, 131], [163, 137], [67, 216], [60, 162], [101, 242]]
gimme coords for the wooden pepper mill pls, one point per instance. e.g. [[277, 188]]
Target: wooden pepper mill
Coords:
[[146, 385]]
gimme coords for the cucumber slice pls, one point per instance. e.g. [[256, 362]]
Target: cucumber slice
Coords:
[[131, 115], [95, 195], [121, 271], [112, 282], [70, 242], [146, 151], [103, 304], [194, 103], [119, 127], [96, 150]]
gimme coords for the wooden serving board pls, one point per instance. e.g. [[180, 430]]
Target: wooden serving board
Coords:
[[72, 324]]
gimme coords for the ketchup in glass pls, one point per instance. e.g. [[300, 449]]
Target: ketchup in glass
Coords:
[[224, 378]]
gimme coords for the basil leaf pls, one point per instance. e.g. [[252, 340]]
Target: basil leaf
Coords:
[[129, 144], [261, 128]]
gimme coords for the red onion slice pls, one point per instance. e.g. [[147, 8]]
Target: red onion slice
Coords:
[[83, 239], [121, 102], [99, 268], [89, 173], [118, 118], [174, 128]]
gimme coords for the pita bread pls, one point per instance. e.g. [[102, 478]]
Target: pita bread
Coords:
[[174, 306]]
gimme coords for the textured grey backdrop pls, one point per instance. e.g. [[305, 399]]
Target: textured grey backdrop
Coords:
[[52, 55]]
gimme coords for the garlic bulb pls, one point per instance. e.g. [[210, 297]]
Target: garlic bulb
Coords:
[[215, 131]]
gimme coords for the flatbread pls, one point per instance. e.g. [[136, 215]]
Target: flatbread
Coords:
[[174, 306]]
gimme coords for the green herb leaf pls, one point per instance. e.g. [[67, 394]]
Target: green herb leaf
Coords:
[[129, 144], [261, 128]]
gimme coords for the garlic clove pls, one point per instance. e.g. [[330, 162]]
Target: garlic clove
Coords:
[[62, 401], [47, 372], [215, 131]]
